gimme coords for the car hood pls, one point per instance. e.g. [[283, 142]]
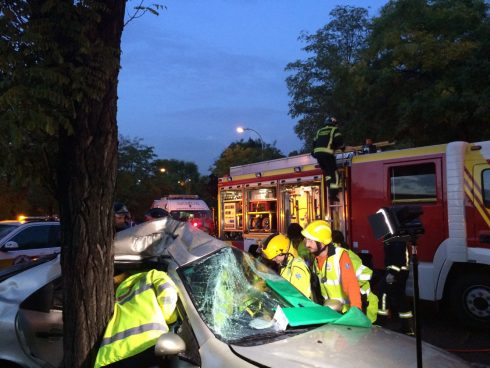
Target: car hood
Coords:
[[332, 346]]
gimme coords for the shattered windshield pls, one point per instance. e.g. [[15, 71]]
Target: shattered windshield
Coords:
[[229, 292]]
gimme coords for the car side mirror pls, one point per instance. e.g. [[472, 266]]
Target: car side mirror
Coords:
[[169, 344], [11, 245]]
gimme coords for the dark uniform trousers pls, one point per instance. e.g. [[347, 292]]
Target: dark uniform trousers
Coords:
[[392, 287], [328, 164]]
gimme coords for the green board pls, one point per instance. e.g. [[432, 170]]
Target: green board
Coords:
[[305, 312], [310, 315], [353, 317], [292, 295]]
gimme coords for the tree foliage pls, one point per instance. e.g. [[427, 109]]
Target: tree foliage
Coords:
[[134, 175], [142, 177], [180, 177], [244, 152], [59, 63], [31, 200], [419, 67], [321, 85], [434, 58], [33, 103]]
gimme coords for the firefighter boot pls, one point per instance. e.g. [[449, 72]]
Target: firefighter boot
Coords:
[[383, 319], [407, 326], [333, 195], [334, 188]]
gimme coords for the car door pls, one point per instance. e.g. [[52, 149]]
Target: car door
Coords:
[[191, 357], [32, 241], [40, 322]]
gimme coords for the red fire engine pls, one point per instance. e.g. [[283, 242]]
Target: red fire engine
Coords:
[[451, 182]]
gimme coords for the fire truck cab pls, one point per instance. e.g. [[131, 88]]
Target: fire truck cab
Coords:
[[450, 182]]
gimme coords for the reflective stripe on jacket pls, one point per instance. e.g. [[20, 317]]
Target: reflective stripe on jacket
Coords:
[[363, 275], [298, 274], [324, 139], [145, 303]]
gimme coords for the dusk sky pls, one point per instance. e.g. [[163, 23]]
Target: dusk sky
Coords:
[[193, 74]]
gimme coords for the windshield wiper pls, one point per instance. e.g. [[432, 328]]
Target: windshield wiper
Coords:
[[266, 336]]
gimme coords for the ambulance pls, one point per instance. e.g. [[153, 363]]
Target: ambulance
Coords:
[[450, 182], [188, 208]]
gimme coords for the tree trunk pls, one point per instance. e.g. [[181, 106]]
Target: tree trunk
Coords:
[[86, 177]]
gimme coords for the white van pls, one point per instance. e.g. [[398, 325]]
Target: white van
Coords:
[[187, 207]]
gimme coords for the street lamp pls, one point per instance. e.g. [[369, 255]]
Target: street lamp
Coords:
[[162, 170], [241, 129]]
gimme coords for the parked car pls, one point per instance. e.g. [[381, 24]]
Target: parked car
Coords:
[[24, 241], [226, 299]]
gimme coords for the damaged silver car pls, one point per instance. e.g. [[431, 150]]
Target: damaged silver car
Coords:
[[233, 311]]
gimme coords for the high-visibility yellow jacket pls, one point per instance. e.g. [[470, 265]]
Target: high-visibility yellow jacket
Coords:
[[298, 274], [145, 304], [330, 282], [364, 275]]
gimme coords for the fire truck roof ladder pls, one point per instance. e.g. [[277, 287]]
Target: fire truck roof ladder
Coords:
[[335, 210]]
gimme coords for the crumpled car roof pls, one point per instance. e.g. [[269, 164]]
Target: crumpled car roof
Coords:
[[164, 237]]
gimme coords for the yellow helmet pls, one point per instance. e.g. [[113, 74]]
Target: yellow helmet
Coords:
[[319, 231], [277, 245]]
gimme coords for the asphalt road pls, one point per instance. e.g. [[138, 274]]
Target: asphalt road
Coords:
[[440, 330]]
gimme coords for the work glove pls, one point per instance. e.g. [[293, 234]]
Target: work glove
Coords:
[[334, 304], [390, 278]]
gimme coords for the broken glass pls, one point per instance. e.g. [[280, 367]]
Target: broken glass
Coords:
[[229, 291]]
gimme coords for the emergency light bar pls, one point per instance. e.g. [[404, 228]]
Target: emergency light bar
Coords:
[[397, 222]]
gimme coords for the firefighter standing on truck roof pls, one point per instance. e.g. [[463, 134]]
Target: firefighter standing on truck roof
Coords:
[[327, 140], [392, 286], [333, 267], [363, 274], [279, 249]]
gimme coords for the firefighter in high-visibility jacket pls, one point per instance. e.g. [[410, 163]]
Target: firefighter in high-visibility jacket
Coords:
[[364, 274], [392, 287], [279, 249], [145, 305], [333, 267]]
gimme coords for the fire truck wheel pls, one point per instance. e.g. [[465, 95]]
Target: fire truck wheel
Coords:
[[470, 300]]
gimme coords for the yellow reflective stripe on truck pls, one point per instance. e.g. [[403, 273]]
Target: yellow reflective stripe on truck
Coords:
[[472, 186]]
